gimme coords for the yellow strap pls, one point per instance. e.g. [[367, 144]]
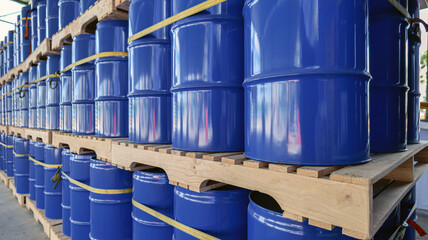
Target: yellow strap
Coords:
[[8, 43], [186, 13], [20, 155], [8, 93], [44, 164], [43, 78], [189, 230], [29, 18], [21, 86], [4, 145], [98, 190]]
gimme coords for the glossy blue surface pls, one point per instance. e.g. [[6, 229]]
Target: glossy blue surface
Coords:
[[32, 98], [24, 101], [85, 4], [110, 213], [8, 153], [32, 172], [406, 206], [389, 226], [16, 41], [52, 19], [149, 95], [83, 77], [65, 204], [152, 188], [220, 213], [413, 105], [41, 96], [79, 197], [52, 93], [24, 48], [1, 59], [34, 32], [68, 11], [41, 21], [2, 162], [306, 82], [111, 101], [208, 62], [388, 90], [39, 155], [22, 171], [265, 221], [65, 91], [53, 196], [9, 51]]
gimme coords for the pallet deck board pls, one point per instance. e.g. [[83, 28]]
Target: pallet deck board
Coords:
[[39, 216], [39, 135]]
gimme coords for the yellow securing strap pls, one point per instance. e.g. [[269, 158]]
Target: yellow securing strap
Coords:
[[8, 43], [23, 19], [44, 164], [41, 79], [186, 13], [4, 145], [18, 87], [20, 155], [8, 93], [189, 230], [98, 190]]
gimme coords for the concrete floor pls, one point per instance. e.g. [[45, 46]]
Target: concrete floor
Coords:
[[16, 222]]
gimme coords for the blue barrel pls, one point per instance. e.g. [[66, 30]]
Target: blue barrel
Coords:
[[68, 11], [22, 171], [41, 96], [52, 19], [208, 63], [413, 105], [265, 221], [41, 21], [16, 41], [53, 196], [389, 226], [221, 213], [83, 77], [111, 75], [5, 56], [8, 103], [34, 31], [79, 197], [24, 49], [9, 50], [1, 59], [85, 4], [388, 90], [39, 185], [15, 101], [149, 94], [2, 165], [32, 98], [152, 188], [65, 116], [24, 100], [32, 172], [65, 204], [9, 155], [406, 207], [306, 86], [52, 93], [110, 213], [4, 153]]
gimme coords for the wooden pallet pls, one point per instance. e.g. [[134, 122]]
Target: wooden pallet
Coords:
[[5, 178], [326, 196], [86, 23], [56, 233], [4, 129], [39, 216], [20, 197], [81, 144], [40, 135]]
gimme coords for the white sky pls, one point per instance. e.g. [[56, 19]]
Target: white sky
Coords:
[[7, 7]]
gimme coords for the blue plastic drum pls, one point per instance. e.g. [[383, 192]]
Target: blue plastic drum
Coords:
[[22, 171], [24, 42], [388, 90], [208, 64], [16, 41], [413, 107], [34, 27], [222, 213], [152, 188], [110, 213], [32, 98], [51, 17], [9, 50], [8, 102], [85, 4], [41, 21], [83, 77], [15, 101], [79, 197], [65, 204], [265, 221], [65, 116], [39, 155], [32, 172], [53, 196], [41, 96], [111, 101], [52, 93], [68, 11], [406, 207], [24, 100], [9, 155], [2, 165], [389, 226], [1, 59], [149, 94], [306, 85]]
